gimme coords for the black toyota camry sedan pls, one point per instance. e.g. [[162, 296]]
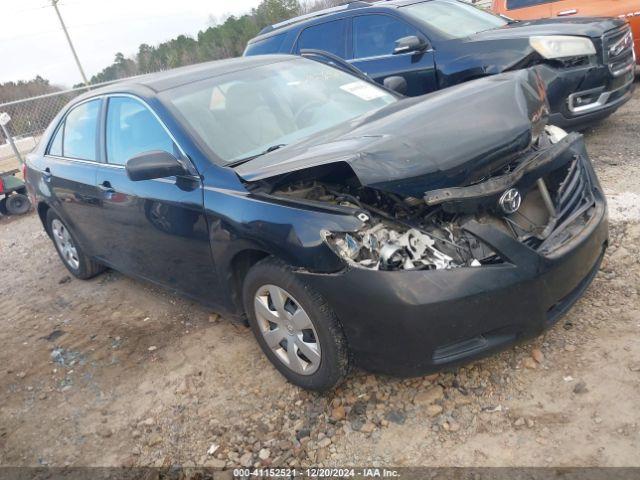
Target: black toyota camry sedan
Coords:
[[345, 223]]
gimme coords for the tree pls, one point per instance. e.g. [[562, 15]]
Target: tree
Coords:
[[274, 11], [308, 6], [120, 68]]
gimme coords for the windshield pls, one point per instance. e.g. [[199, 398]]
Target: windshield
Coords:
[[250, 112], [454, 19]]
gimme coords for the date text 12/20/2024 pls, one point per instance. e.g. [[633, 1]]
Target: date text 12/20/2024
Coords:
[[315, 473]]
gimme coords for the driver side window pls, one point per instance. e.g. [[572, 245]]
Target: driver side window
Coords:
[[132, 129], [376, 35]]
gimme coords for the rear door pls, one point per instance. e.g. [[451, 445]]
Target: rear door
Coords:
[[373, 42], [329, 36], [151, 228], [70, 171]]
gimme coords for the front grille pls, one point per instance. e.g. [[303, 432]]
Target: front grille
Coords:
[[556, 209], [618, 50], [574, 192], [573, 198]]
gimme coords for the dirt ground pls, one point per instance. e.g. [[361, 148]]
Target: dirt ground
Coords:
[[113, 371]]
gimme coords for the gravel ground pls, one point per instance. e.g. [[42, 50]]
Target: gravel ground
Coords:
[[117, 372]]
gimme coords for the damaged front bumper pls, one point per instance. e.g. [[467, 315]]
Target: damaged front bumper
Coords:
[[413, 322], [597, 89], [589, 105]]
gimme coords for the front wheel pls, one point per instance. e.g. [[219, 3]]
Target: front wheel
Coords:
[[295, 327], [71, 254]]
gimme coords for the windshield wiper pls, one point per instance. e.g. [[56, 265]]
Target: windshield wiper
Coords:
[[272, 148]]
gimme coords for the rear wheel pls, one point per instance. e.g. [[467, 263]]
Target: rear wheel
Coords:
[[295, 327], [18, 204], [71, 254], [3, 206]]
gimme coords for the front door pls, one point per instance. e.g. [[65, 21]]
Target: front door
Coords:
[[151, 228], [374, 39]]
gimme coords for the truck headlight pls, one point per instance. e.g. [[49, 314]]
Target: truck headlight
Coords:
[[561, 46]]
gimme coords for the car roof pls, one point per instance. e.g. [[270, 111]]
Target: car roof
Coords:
[[176, 77], [295, 22]]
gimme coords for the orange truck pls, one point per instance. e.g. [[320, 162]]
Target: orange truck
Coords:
[[531, 9]]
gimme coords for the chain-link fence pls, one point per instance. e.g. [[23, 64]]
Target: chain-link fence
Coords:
[[29, 118]]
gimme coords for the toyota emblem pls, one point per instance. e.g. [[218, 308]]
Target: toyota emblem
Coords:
[[510, 201]]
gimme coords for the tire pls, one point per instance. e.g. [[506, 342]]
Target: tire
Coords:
[[76, 261], [3, 206], [18, 204], [320, 359]]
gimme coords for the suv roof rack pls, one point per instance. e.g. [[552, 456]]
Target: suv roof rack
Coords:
[[319, 13]]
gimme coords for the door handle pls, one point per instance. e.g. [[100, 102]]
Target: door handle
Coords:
[[565, 13], [46, 175], [106, 187]]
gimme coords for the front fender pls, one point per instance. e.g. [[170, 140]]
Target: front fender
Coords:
[[294, 232]]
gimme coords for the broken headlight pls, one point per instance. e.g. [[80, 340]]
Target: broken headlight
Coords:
[[384, 248]]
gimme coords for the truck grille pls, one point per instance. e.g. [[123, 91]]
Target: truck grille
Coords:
[[618, 50]]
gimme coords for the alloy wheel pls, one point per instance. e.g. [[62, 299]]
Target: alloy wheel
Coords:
[[64, 242], [287, 329]]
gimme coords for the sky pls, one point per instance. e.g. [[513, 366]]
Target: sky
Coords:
[[33, 43]]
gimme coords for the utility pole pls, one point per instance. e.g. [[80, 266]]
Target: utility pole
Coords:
[[73, 50]]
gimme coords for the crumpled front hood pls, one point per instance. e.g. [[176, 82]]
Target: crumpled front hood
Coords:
[[449, 138]]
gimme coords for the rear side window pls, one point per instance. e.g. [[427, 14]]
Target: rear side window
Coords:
[[268, 45], [376, 35], [132, 129], [513, 4], [80, 131], [326, 36], [56, 144]]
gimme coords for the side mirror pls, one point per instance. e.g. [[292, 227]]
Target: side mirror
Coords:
[[396, 83], [154, 164], [408, 44]]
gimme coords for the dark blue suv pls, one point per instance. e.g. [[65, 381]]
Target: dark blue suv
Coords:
[[587, 63]]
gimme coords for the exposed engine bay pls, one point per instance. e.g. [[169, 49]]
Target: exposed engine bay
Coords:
[[408, 233], [401, 234]]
